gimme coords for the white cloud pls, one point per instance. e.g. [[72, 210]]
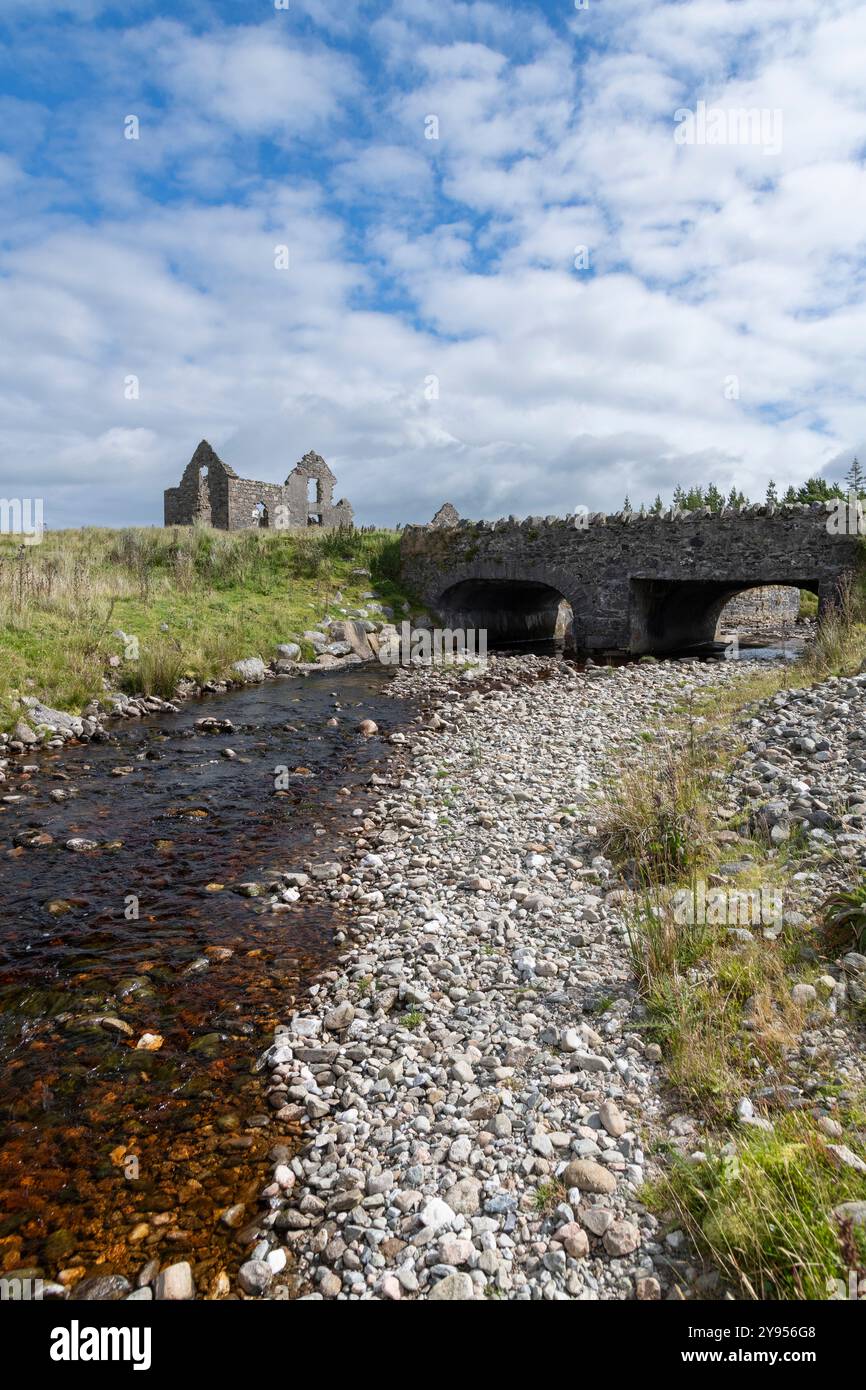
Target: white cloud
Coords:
[[414, 260], [254, 81]]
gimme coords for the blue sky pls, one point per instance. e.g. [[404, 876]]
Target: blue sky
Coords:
[[552, 303]]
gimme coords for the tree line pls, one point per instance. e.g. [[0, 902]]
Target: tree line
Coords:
[[813, 490]]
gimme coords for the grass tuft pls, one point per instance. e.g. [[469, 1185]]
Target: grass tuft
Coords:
[[764, 1213], [654, 821], [844, 919]]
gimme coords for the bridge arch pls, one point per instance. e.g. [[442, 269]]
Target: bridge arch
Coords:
[[672, 615], [529, 603], [509, 610]]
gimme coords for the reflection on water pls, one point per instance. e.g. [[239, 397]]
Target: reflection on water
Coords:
[[114, 1154]]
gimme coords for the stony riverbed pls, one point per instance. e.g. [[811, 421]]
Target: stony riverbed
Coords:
[[478, 1102]]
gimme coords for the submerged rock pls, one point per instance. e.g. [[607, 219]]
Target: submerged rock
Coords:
[[102, 1288]]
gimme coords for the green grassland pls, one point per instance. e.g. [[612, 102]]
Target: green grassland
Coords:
[[196, 600]]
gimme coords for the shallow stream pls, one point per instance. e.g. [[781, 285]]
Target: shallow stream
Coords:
[[112, 1154]]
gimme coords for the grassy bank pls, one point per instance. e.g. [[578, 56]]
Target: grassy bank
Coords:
[[194, 598], [761, 1203]]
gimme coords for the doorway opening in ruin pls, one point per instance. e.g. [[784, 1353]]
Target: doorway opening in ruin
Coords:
[[513, 612], [260, 514]]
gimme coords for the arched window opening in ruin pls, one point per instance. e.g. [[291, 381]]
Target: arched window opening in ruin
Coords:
[[260, 514], [202, 473], [314, 491]]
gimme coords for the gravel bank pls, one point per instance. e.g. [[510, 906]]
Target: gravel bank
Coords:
[[475, 1097], [800, 788]]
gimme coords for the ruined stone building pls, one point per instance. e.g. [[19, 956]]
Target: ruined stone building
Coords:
[[210, 493]]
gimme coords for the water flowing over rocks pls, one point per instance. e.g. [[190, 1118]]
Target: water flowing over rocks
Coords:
[[358, 635], [130, 1036]]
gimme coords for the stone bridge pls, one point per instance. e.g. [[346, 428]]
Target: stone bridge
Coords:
[[635, 583]]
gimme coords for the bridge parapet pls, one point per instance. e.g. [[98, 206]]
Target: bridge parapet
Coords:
[[582, 520]]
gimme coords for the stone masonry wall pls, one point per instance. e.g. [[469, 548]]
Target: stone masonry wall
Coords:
[[638, 583], [771, 607], [244, 495]]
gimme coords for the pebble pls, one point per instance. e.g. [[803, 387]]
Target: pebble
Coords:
[[647, 1288], [621, 1238], [612, 1118], [255, 1276], [589, 1176], [452, 1288], [597, 1219], [574, 1239], [338, 1019], [437, 1213], [175, 1282]]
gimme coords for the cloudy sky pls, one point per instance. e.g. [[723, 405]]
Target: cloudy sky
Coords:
[[515, 274]]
